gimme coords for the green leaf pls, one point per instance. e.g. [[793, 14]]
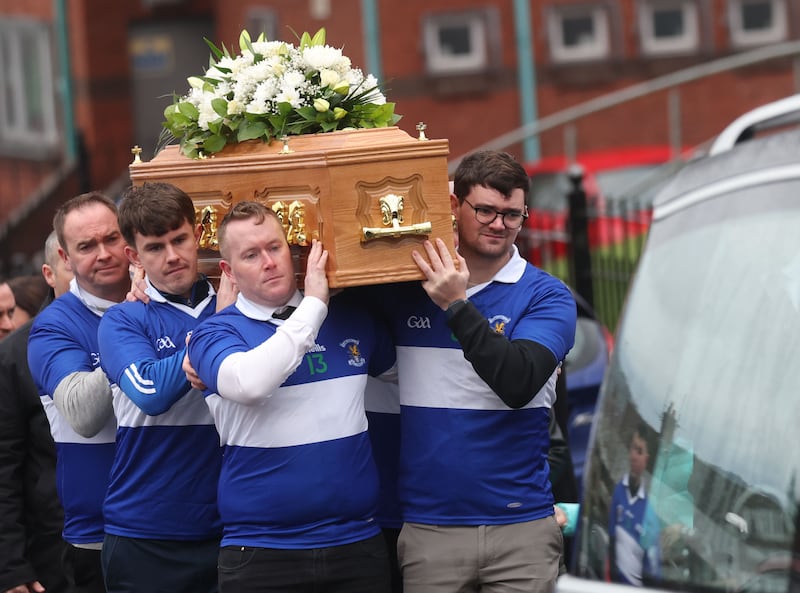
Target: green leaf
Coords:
[[214, 49], [319, 37], [189, 110], [244, 40], [307, 113], [305, 40], [214, 143], [215, 127], [251, 130], [220, 106]]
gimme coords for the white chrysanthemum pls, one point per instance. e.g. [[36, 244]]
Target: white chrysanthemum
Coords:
[[266, 91], [224, 88], [269, 48], [207, 113], [342, 66], [320, 57], [243, 90], [292, 79], [355, 77], [289, 95], [257, 107]]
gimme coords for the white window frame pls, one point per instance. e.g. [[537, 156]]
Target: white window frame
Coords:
[[264, 20], [742, 38], [14, 104], [688, 42], [438, 60], [598, 49]]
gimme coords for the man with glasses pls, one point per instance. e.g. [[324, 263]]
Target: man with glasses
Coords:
[[479, 343]]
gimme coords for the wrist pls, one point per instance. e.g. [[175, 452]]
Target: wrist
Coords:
[[454, 307]]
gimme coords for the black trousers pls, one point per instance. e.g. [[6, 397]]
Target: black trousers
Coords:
[[360, 567], [83, 570], [133, 565]]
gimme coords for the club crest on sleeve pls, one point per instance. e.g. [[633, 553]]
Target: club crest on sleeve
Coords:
[[498, 324]]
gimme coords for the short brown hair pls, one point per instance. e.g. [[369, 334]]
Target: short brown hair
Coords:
[[80, 201], [244, 211], [153, 209], [30, 292], [491, 169]]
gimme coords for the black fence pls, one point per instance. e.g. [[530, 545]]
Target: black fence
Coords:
[[593, 244]]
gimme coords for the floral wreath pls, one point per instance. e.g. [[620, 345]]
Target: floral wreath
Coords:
[[270, 90]]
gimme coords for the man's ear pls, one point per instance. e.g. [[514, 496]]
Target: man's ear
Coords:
[[49, 275], [133, 256], [226, 269], [65, 258], [198, 232]]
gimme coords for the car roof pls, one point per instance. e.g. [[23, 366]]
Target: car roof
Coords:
[[735, 165], [778, 113]]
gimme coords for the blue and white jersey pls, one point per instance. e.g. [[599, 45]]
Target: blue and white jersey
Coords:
[[63, 341], [382, 401], [164, 478], [631, 523], [466, 457], [298, 471]]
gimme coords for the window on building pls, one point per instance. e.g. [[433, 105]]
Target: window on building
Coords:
[[262, 20], [27, 95], [460, 42], [578, 32], [669, 26], [757, 22]]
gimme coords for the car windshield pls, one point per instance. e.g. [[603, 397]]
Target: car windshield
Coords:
[[706, 361]]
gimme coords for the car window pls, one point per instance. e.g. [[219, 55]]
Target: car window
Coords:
[[706, 365]]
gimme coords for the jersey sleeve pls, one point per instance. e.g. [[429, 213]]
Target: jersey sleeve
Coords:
[[53, 354], [153, 384]]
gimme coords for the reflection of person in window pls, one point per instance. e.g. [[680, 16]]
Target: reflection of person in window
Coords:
[[630, 524]]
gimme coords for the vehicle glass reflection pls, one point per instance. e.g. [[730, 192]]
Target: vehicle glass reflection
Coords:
[[706, 359]]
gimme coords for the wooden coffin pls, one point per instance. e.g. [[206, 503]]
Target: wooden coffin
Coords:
[[371, 196]]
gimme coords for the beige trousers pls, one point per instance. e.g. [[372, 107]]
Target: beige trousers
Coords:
[[515, 558]]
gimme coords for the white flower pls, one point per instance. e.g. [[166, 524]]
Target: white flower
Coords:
[[328, 78], [320, 57], [290, 95]]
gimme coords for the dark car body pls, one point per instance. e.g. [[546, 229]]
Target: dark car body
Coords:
[[706, 360]]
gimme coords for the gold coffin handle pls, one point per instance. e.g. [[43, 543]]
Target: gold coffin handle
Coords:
[[422, 228], [392, 215]]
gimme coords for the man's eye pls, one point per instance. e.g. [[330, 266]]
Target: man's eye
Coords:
[[513, 216], [485, 211]]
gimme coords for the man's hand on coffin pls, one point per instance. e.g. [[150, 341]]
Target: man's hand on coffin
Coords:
[[445, 283], [316, 282]]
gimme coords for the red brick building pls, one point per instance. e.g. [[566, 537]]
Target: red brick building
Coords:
[[85, 80]]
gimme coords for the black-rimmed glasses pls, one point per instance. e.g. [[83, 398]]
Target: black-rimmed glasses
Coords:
[[512, 219]]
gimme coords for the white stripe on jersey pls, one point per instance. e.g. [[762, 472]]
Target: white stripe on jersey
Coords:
[[442, 380], [189, 410], [294, 415], [138, 381]]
